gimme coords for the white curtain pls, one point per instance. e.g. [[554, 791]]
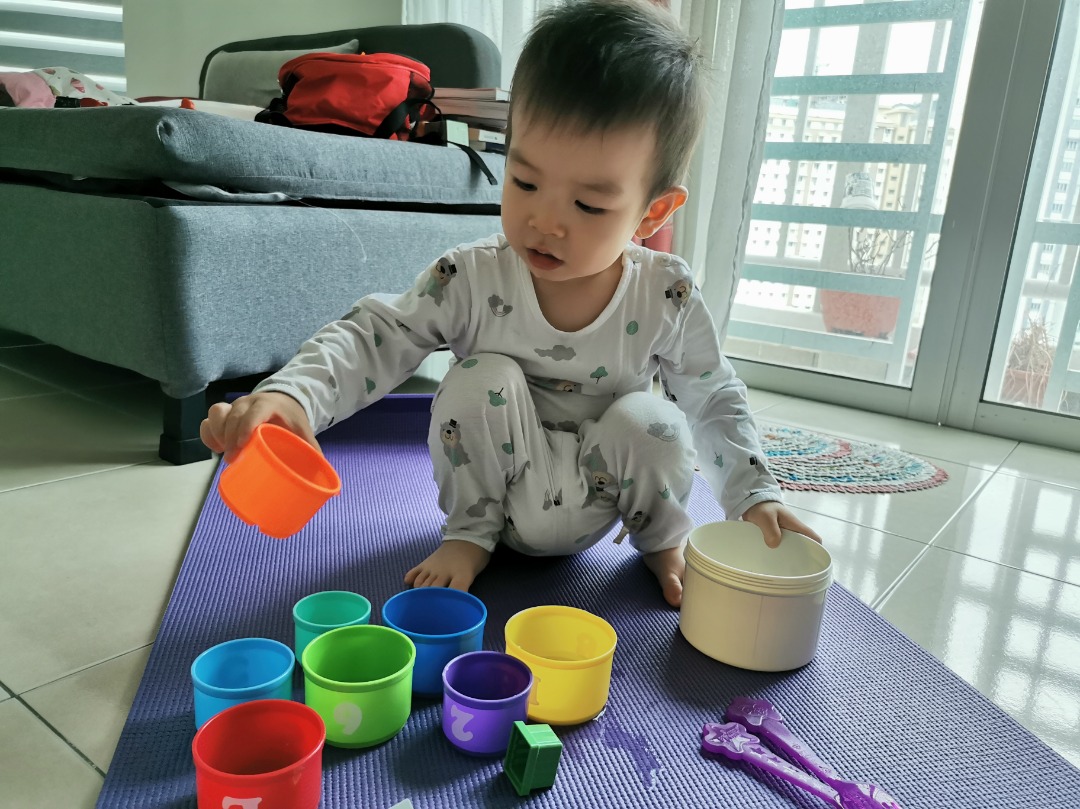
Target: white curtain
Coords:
[[740, 40], [86, 37], [506, 22]]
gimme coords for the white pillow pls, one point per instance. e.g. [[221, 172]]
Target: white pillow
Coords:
[[250, 77]]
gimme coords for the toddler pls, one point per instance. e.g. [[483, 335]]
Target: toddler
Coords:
[[545, 431]]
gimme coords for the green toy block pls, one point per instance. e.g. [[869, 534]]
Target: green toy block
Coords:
[[532, 759]]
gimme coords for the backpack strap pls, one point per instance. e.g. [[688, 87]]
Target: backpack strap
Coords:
[[478, 162], [409, 109]]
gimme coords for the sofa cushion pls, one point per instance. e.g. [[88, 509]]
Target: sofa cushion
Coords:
[[251, 77], [154, 143]]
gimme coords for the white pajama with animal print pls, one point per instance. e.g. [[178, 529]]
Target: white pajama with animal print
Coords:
[[543, 439]]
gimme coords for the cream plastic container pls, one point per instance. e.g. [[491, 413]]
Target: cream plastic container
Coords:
[[752, 606]]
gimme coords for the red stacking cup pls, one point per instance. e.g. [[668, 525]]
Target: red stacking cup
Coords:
[[265, 754]]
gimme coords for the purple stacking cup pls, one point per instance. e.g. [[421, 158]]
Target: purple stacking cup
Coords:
[[484, 693]]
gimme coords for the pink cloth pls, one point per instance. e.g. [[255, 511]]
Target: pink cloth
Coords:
[[27, 90]]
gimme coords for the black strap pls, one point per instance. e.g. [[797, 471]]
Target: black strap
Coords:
[[478, 162], [396, 118], [274, 114]]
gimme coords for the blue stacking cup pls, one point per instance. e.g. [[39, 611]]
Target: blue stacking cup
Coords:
[[238, 671], [442, 623]]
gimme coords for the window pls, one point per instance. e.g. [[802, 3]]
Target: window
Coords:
[[889, 76], [84, 36]]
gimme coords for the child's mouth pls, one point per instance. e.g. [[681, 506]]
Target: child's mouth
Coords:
[[543, 261]]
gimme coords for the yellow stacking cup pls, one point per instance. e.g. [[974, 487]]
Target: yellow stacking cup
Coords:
[[569, 652]]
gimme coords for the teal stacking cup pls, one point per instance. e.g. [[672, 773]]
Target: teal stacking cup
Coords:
[[239, 671], [443, 623], [320, 612], [359, 680]]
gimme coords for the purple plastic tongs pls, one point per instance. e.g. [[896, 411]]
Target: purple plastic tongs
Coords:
[[763, 718], [733, 741]]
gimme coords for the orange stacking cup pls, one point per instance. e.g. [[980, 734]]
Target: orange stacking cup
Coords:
[[277, 482]]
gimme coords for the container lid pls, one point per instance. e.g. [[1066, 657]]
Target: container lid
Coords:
[[735, 553]]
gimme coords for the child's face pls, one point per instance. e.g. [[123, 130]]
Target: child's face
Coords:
[[572, 201]]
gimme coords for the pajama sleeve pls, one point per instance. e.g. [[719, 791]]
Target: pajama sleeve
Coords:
[[702, 382], [353, 362]]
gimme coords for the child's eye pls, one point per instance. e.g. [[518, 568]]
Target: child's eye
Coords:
[[523, 185], [589, 208]]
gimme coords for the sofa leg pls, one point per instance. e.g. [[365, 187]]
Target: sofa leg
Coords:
[[180, 443]]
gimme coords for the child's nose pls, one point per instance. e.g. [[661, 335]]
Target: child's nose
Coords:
[[545, 223]]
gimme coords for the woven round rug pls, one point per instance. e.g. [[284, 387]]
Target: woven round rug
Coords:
[[805, 460]]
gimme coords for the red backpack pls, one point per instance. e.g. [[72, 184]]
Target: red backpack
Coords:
[[380, 95]]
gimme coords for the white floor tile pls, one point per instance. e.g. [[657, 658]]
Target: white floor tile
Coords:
[[1012, 635], [89, 708], [1026, 524], [1044, 463], [89, 566], [918, 438], [14, 385], [143, 400], [37, 769], [917, 515], [865, 561], [64, 369], [764, 399], [47, 438]]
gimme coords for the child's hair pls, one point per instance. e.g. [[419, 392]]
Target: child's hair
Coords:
[[594, 65]]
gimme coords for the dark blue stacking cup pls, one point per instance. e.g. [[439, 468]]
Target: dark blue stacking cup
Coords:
[[442, 623]]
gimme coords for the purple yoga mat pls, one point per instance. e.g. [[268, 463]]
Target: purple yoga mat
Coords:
[[872, 702]]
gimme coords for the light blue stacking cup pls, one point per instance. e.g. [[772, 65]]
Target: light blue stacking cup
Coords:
[[238, 671], [443, 623], [331, 609]]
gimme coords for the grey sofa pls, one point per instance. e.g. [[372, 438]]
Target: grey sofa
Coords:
[[191, 247]]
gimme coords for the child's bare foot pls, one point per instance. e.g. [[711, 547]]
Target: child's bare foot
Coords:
[[668, 566], [456, 563]]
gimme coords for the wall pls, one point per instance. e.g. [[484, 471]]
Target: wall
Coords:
[[165, 41]]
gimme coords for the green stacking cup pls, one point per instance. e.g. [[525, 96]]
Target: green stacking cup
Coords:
[[359, 680]]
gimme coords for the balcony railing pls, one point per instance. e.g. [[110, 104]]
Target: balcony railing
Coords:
[[928, 156], [920, 223]]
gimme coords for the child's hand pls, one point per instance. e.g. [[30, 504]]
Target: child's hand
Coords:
[[771, 516], [227, 427]]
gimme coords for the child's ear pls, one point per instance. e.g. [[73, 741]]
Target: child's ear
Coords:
[[660, 210]]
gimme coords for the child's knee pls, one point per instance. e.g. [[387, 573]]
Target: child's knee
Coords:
[[472, 410], [647, 421], [487, 380]]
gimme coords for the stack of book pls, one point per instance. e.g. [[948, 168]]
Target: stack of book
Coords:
[[473, 117]]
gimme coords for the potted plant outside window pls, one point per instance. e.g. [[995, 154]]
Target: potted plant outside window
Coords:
[[1027, 368], [871, 251]]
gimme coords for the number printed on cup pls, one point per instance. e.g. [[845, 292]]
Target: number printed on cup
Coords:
[[461, 719], [349, 716]]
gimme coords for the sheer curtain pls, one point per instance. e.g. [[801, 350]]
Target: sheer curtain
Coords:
[[506, 22], [84, 36], [740, 40]]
